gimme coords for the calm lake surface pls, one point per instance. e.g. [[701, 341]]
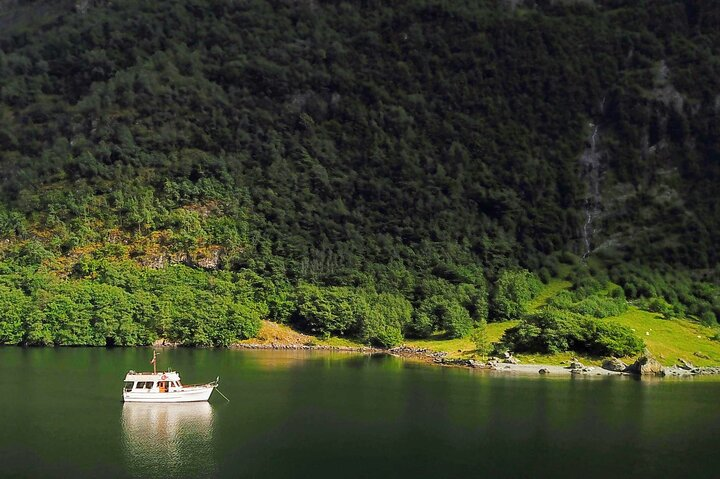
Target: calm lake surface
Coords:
[[314, 414]]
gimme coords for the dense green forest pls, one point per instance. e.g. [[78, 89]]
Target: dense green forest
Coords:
[[183, 169]]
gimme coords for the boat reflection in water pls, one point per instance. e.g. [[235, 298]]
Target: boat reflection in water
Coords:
[[164, 440]]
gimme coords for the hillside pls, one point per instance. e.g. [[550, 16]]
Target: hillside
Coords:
[[356, 168]]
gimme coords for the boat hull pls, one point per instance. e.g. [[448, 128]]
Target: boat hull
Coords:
[[186, 395]]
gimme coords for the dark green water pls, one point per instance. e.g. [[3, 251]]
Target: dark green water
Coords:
[[299, 414]]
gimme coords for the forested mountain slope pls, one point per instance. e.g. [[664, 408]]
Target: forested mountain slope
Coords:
[[379, 145]]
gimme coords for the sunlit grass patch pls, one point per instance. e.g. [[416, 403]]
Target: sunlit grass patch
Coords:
[[550, 290], [670, 339]]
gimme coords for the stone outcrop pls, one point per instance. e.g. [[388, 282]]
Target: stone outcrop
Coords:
[[614, 364], [646, 365], [510, 359]]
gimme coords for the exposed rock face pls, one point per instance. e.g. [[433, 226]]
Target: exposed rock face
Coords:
[[544, 371], [647, 366], [209, 258], [614, 364]]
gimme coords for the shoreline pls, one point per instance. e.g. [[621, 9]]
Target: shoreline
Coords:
[[428, 356]]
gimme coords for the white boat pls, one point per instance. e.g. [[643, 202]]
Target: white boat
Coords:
[[163, 387]]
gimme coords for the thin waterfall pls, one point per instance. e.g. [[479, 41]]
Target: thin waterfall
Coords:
[[590, 163]]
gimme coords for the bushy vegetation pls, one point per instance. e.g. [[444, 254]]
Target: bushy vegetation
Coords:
[[553, 331], [596, 305], [513, 292], [352, 168], [125, 306]]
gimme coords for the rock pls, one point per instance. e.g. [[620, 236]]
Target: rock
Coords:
[[614, 364], [701, 355], [474, 364], [208, 257], [646, 365], [511, 360], [686, 365], [544, 371], [575, 364]]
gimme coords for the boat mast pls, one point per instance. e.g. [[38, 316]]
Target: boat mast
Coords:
[[154, 362]]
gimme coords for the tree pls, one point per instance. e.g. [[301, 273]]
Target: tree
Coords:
[[382, 318], [480, 339], [14, 309], [325, 311], [514, 290]]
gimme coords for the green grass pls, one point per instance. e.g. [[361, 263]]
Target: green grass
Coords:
[[550, 290], [667, 339], [460, 347], [670, 339]]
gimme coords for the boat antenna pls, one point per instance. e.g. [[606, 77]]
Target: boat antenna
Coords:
[[154, 362]]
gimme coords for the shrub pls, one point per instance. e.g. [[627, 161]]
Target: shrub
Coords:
[[613, 339], [553, 331], [600, 307], [479, 336], [707, 318], [660, 306]]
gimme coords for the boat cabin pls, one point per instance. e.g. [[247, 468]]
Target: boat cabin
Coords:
[[153, 382]]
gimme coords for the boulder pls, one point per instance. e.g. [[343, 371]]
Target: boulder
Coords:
[[575, 364], [701, 355], [614, 364], [511, 360], [543, 371], [686, 365], [646, 365]]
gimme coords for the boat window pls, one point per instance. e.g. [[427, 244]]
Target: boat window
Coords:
[[128, 385], [140, 385], [149, 385]]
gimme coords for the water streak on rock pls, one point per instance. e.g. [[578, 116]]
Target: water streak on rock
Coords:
[[590, 163]]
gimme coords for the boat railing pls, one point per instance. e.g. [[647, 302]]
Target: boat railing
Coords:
[[188, 386]]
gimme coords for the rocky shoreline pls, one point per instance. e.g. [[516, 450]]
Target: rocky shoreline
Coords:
[[645, 366]]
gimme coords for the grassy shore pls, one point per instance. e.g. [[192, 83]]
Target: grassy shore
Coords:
[[667, 339]]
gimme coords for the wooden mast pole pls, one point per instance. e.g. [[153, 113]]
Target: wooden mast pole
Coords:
[[154, 361]]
